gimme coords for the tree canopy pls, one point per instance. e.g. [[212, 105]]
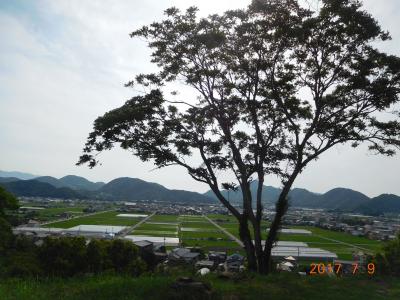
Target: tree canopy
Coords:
[[7, 203], [275, 86]]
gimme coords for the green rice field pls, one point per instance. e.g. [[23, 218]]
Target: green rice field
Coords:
[[53, 213], [198, 231], [103, 218]]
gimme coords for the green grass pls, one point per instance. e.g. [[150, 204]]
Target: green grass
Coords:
[[59, 210], [204, 224], [164, 218], [157, 227], [341, 236], [200, 234], [154, 233], [222, 218], [234, 229], [302, 238], [191, 218], [211, 243], [157, 287], [105, 218], [52, 213]]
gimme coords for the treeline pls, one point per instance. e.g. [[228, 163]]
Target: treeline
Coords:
[[70, 256], [63, 256]]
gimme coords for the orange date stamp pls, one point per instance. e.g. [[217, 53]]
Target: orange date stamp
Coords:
[[321, 268]]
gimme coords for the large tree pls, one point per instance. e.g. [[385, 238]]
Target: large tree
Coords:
[[275, 86]]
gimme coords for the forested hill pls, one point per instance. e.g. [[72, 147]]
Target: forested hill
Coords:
[[132, 189], [34, 188], [339, 199], [137, 189], [120, 189], [72, 182]]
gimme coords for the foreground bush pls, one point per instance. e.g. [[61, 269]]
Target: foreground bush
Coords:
[[70, 256], [389, 261]]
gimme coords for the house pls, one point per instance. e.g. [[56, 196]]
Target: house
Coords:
[[183, 255], [217, 257], [285, 266], [234, 262], [235, 258], [209, 264], [144, 246]]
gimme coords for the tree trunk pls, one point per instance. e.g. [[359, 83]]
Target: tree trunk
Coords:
[[258, 248], [245, 237], [281, 208], [257, 224]]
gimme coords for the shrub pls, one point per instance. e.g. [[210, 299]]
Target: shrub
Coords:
[[388, 262], [124, 256], [65, 256]]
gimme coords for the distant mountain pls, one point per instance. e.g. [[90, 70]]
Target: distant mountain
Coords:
[[303, 198], [71, 181], [339, 199], [269, 194], [19, 175], [8, 179], [34, 188], [382, 204], [342, 199], [124, 189], [132, 189], [51, 180], [80, 183]]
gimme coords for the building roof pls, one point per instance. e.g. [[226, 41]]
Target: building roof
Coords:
[[96, 228], [293, 231], [169, 241], [287, 264], [208, 263], [235, 258], [132, 215], [290, 244], [180, 251], [302, 252], [143, 243], [184, 253], [291, 258]]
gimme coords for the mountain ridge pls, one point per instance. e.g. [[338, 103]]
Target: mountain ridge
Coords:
[[338, 199], [119, 189], [131, 189]]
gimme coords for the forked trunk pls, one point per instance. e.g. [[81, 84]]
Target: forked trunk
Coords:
[[245, 237], [281, 208]]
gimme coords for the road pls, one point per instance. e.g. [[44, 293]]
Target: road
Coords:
[[130, 229], [224, 231]]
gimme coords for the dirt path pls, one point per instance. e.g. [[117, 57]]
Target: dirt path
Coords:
[[224, 231], [344, 243], [130, 229]]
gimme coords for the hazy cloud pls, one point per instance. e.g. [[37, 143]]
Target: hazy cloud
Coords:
[[63, 63]]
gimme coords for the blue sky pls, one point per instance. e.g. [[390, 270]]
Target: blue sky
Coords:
[[63, 63]]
